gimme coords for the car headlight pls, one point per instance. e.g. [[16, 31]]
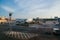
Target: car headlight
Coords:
[[55, 28]]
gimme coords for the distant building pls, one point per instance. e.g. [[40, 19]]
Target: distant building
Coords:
[[3, 20]]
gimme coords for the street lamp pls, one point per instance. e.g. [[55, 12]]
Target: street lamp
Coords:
[[10, 18]]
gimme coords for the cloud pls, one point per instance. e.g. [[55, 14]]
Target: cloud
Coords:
[[42, 8], [8, 9], [55, 10]]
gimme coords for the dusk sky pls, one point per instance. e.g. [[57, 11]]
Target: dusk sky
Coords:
[[30, 8]]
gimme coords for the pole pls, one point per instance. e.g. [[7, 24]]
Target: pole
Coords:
[[10, 16]]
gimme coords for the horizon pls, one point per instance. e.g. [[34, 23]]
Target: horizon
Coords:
[[30, 8], [29, 18]]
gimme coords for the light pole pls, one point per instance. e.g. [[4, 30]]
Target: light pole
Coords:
[[10, 19], [10, 16]]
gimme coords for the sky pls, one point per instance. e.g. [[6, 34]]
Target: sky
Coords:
[[30, 8]]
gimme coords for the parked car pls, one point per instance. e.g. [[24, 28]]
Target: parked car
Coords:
[[56, 29]]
